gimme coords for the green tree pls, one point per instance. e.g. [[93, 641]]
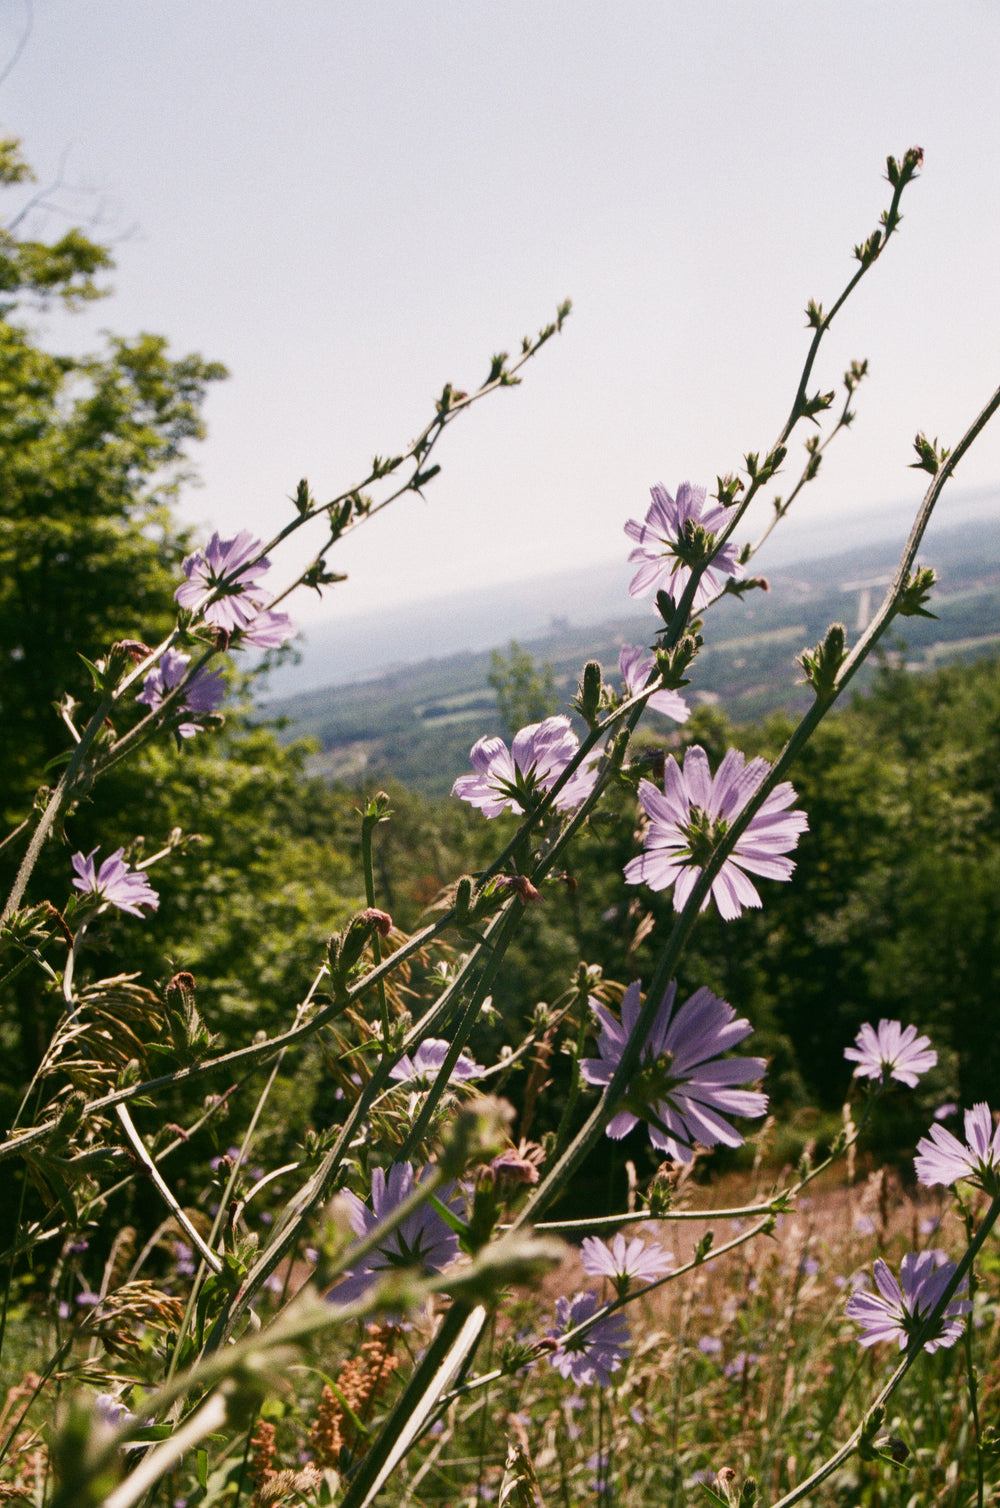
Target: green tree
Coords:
[[92, 453], [92, 450], [525, 691]]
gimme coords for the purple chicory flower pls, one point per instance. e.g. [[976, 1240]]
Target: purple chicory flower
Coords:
[[111, 1412], [202, 694], [424, 1239], [426, 1062], [127, 889], [694, 812], [636, 665], [267, 630], [893, 1051], [506, 779], [597, 1351], [662, 546], [598, 1462], [224, 565], [741, 1365], [898, 1310], [942, 1158], [184, 1263], [683, 1086], [625, 1262]]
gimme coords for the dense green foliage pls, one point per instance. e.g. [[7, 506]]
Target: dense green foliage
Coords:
[[92, 450], [894, 909], [276, 894], [900, 789]]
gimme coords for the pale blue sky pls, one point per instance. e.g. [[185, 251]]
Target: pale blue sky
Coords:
[[351, 203]]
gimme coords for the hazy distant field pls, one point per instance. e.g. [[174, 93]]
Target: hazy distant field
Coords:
[[417, 723]]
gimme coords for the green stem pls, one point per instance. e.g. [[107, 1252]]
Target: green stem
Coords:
[[369, 822], [973, 1384], [467, 1021], [55, 804], [913, 1350]]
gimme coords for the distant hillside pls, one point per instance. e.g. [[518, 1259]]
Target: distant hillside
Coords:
[[417, 723], [341, 648]]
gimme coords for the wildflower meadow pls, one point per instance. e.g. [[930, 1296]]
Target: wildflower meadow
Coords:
[[368, 1233]]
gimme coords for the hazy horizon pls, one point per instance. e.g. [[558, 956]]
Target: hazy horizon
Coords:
[[344, 648]]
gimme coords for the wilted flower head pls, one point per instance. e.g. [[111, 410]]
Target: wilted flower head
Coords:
[[942, 1158], [224, 566], [894, 1051], [520, 1164], [695, 811], [663, 545], [506, 779], [636, 665], [423, 1239], [625, 1261], [598, 1350], [423, 1067], [683, 1085], [898, 1310], [202, 694], [127, 889]]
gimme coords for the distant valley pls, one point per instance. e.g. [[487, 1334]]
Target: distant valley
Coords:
[[416, 722]]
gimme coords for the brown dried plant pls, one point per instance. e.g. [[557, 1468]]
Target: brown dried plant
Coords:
[[26, 1454], [360, 1381], [121, 1318]]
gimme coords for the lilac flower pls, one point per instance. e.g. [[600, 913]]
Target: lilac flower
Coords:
[[114, 882], [598, 1462], [662, 546], [426, 1061], [636, 664], [942, 1158], [224, 565], [894, 1052], [682, 1083], [695, 811], [741, 1365], [111, 1415], [508, 778], [424, 1239], [111, 1412], [268, 630], [184, 1263], [597, 1351], [201, 695], [625, 1261], [897, 1311]]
